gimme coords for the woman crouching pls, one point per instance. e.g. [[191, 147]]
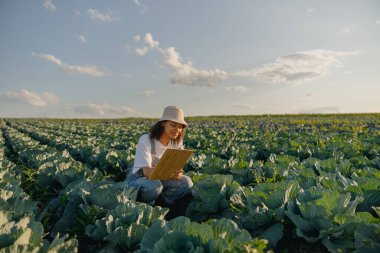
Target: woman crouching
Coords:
[[168, 132]]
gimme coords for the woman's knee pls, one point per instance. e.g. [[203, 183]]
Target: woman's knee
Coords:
[[187, 182], [150, 191]]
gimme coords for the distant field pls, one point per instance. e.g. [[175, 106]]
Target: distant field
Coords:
[[291, 183]]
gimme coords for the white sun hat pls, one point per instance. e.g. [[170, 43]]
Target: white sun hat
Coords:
[[174, 114]]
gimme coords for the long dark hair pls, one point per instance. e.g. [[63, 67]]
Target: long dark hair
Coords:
[[157, 130]]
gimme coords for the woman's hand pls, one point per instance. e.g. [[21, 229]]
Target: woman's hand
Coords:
[[176, 175], [147, 171]]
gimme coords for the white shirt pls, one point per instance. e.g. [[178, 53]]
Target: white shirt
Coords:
[[144, 158]]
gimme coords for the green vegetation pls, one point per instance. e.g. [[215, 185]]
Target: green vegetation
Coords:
[[283, 183]]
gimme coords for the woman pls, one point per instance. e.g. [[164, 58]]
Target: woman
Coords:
[[168, 132]]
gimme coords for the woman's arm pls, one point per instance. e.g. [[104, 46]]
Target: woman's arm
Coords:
[[147, 171], [143, 157]]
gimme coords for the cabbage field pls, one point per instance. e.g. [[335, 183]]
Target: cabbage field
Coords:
[[293, 183]]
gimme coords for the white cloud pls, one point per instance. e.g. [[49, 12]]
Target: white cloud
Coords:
[[378, 22], [298, 67], [148, 39], [310, 10], [84, 70], [145, 93], [103, 109], [183, 73], [186, 74], [141, 51], [241, 89], [29, 98], [81, 38], [48, 5], [96, 15], [49, 98]]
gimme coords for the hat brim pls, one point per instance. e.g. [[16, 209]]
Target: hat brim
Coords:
[[174, 120]]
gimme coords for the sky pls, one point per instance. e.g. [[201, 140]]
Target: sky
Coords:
[[132, 58]]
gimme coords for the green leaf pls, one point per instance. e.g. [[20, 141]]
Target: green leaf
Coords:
[[154, 233], [334, 202], [177, 241], [371, 198], [62, 245], [127, 237], [375, 208], [305, 228], [367, 218], [367, 239], [273, 234], [104, 196], [97, 231], [228, 230]]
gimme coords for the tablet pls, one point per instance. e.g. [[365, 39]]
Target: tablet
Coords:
[[171, 161]]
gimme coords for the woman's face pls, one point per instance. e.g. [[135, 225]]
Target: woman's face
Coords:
[[172, 129]]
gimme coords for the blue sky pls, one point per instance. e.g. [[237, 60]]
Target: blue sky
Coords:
[[111, 59]]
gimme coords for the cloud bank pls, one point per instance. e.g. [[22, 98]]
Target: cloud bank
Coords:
[[45, 99], [103, 109], [298, 67], [84, 70], [29, 98], [183, 73]]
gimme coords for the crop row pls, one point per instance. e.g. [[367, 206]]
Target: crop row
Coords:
[[93, 152], [223, 146], [20, 230], [52, 169], [109, 134]]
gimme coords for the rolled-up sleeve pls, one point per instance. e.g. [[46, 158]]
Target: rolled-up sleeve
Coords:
[[143, 157]]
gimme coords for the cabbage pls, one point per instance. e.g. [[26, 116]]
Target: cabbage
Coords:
[[211, 196], [125, 225], [27, 235], [261, 209], [182, 235]]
